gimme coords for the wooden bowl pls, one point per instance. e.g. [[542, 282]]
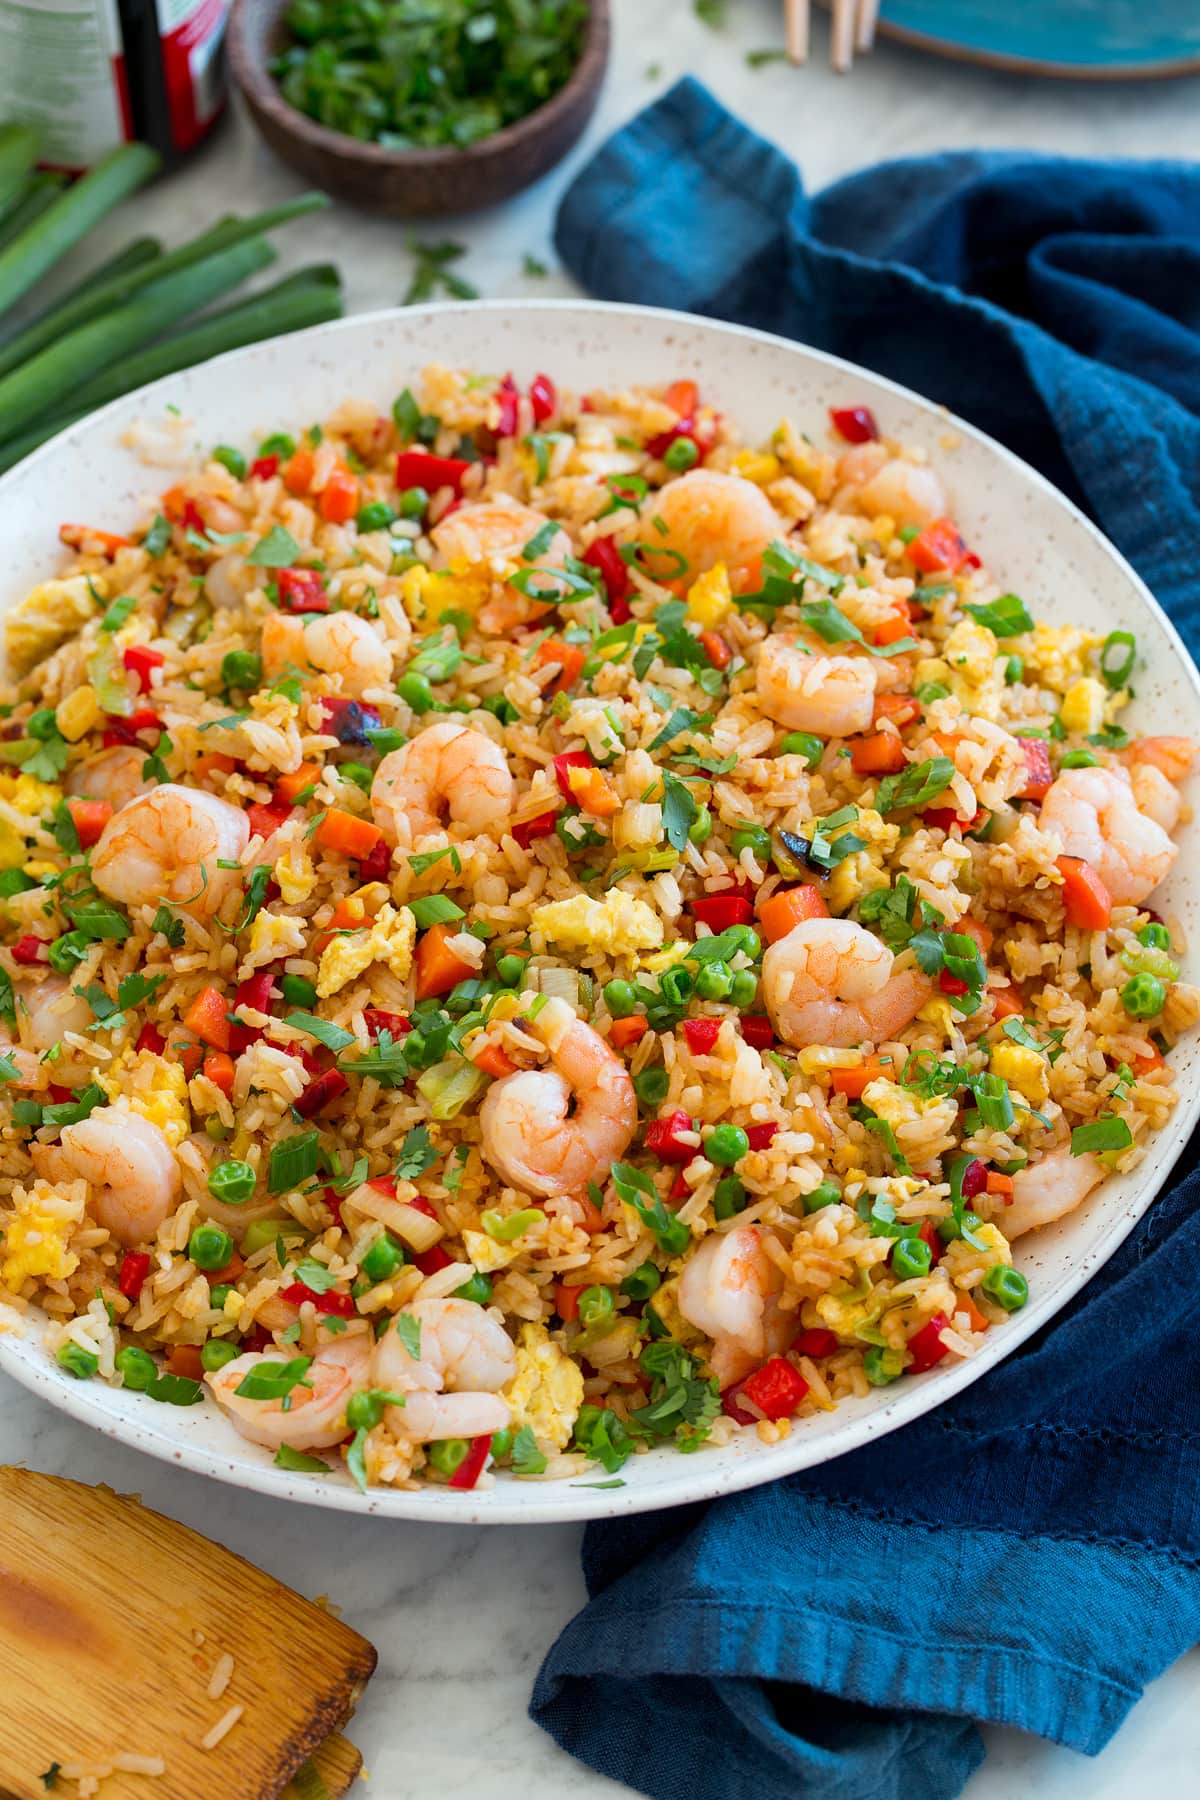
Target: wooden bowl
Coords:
[[411, 183]]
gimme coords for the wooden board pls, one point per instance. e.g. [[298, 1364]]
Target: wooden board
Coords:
[[112, 1620]]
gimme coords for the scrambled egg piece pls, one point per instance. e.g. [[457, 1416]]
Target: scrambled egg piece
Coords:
[[547, 1390], [1023, 1069], [971, 655], [30, 799], [78, 713], [850, 1311], [389, 939], [294, 873], [163, 1102], [619, 924], [710, 598], [273, 936], [1083, 705], [1057, 654], [911, 1116], [427, 593], [758, 466], [35, 1240], [48, 616], [487, 1254]]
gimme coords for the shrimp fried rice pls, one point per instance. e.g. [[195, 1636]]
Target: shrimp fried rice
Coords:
[[534, 929]]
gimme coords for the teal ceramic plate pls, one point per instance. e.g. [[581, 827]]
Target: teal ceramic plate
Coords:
[[1090, 40]]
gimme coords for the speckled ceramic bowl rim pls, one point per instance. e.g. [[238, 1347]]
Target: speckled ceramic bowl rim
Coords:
[[714, 1472]]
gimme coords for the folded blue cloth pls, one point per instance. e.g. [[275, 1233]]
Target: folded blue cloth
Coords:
[[1030, 1553]]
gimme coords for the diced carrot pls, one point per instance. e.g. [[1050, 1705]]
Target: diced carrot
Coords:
[[594, 791], [173, 503], [946, 740], [89, 818], [901, 709], [213, 762], [998, 1183], [298, 471], [228, 1271], [1007, 1003], [788, 908], [1145, 1065], [977, 931], [188, 1053], [963, 1303], [218, 1067], [716, 649], [893, 628], [590, 1219], [566, 1301], [205, 1018], [345, 834], [569, 657], [682, 397], [289, 786], [625, 1032], [852, 1082], [75, 536], [339, 497], [938, 546], [184, 1359], [880, 754], [1087, 901], [349, 914], [493, 1060], [438, 968]]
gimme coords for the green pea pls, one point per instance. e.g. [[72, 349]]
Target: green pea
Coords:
[[511, 968], [502, 1444], [375, 516], [218, 1295], [278, 444], [298, 991], [596, 1308], [726, 1145], [803, 743], [1007, 1287], [241, 669], [446, 1455], [413, 503], [137, 1368], [479, 1289], [929, 691], [949, 1229], [358, 773], [714, 981], [826, 1193], [911, 1258], [42, 724], [232, 1183], [231, 459], [700, 829], [730, 1197], [681, 455], [209, 1247], [744, 990], [881, 1367], [1014, 670], [77, 1361], [1080, 759], [216, 1129], [651, 1086], [500, 707], [620, 997], [676, 985], [216, 1352], [364, 1411], [1154, 936], [642, 1282], [753, 837], [415, 689], [1144, 996], [381, 1261], [749, 942]]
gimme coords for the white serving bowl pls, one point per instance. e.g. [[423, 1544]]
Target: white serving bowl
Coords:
[[1035, 541]]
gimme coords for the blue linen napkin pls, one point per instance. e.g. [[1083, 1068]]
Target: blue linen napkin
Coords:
[[1029, 1554]]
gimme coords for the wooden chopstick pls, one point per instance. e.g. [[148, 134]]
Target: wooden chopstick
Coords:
[[868, 14], [795, 25], [842, 41]]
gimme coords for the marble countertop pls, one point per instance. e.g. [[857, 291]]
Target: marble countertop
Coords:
[[463, 1617]]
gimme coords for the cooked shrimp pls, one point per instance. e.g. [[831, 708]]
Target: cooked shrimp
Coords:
[[832, 696], [115, 775], [1094, 815], [830, 981], [451, 1386], [908, 492], [447, 771], [712, 518], [496, 531], [169, 845], [551, 1131], [228, 580], [340, 643], [1155, 766], [128, 1165], [1048, 1190], [316, 1414], [728, 1289], [45, 1010]]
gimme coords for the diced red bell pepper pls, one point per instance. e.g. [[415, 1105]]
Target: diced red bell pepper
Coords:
[[953, 984], [776, 1389], [543, 398], [761, 1136], [720, 911], [680, 1188], [662, 1139], [926, 1347], [974, 1179], [472, 1465], [701, 1035], [59, 1094], [603, 556], [125, 730], [376, 1020], [140, 659], [421, 469], [943, 817], [729, 1406], [302, 591], [265, 820], [563, 764], [374, 866], [757, 1030], [255, 995], [540, 827], [928, 1235], [30, 949], [1038, 772], [854, 424], [430, 1261], [386, 1185], [329, 1086], [297, 1292], [135, 1266], [349, 720], [938, 546], [509, 397], [333, 1201], [151, 1038], [263, 467], [815, 1343]]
